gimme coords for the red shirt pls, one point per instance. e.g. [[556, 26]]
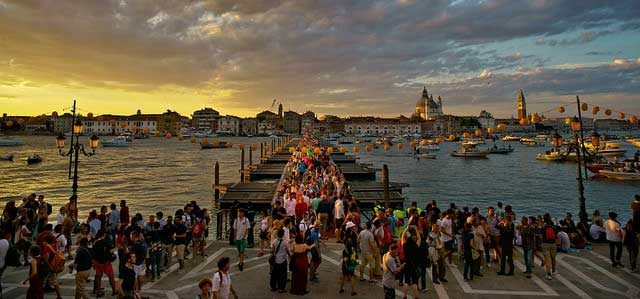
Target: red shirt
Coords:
[[301, 208]]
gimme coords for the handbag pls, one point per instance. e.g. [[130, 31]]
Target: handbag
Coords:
[[272, 258]]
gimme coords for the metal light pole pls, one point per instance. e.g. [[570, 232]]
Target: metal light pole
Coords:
[[576, 126], [75, 148]]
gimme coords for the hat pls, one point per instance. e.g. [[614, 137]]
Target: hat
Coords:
[[350, 224]]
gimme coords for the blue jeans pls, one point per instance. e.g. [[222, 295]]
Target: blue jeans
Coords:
[[156, 257], [528, 259]]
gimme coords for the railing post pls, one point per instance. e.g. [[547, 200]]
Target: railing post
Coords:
[[250, 156], [242, 165], [216, 181], [261, 150], [385, 184]]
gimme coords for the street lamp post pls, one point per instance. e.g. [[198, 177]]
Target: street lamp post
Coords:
[[75, 148], [576, 126]]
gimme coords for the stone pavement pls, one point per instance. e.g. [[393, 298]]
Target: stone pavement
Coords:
[[584, 275]]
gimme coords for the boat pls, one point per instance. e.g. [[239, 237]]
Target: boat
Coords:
[[214, 144], [609, 149], [510, 138], [530, 142], [379, 141], [597, 167], [428, 148], [397, 139], [500, 150], [120, 141], [8, 157], [141, 136], [543, 137], [426, 156], [469, 149], [34, 159], [10, 142], [551, 156], [619, 175]]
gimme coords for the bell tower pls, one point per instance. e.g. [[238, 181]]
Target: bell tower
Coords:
[[522, 106]]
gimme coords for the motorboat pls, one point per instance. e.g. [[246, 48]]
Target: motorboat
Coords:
[[620, 175], [397, 139], [469, 149], [34, 159], [428, 148], [214, 144], [8, 157], [120, 141], [530, 142], [141, 136], [10, 142], [543, 137], [500, 150], [551, 156], [426, 156], [510, 138], [608, 149]]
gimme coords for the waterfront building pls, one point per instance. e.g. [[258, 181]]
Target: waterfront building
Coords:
[[109, 124], [250, 126], [375, 126], [292, 122], [427, 108], [205, 119], [170, 122], [229, 124], [522, 105], [486, 120], [62, 123], [308, 120]]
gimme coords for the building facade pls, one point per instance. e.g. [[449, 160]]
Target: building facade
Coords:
[[231, 125], [250, 126], [381, 127], [292, 122], [427, 108], [205, 119]]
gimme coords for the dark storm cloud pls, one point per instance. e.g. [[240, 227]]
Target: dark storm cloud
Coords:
[[303, 52]]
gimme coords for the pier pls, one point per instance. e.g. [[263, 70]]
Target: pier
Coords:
[[258, 183]]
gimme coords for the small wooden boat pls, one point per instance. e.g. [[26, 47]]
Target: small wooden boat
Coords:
[[500, 151], [469, 150], [510, 138], [214, 144], [617, 175], [8, 157], [550, 156], [34, 159]]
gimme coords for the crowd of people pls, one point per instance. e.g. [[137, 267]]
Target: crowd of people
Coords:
[[144, 248], [313, 204]]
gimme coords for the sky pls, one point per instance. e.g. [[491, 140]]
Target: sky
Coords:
[[334, 57]]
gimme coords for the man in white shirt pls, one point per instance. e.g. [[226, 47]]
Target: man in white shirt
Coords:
[[565, 242], [614, 237], [368, 247], [597, 232], [446, 229], [222, 286], [391, 269], [61, 215], [290, 206], [241, 231], [338, 215]]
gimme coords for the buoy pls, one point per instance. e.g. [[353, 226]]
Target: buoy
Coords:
[[561, 109], [585, 107], [524, 121], [502, 127], [490, 130], [168, 135], [607, 112], [400, 146], [387, 147], [595, 110]]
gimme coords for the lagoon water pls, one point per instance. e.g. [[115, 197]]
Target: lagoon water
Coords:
[[161, 174]]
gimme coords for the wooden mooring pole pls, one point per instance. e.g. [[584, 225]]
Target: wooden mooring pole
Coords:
[[250, 156], [242, 165], [216, 181], [385, 184], [261, 150]]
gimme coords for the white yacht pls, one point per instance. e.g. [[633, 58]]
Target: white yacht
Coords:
[[120, 141]]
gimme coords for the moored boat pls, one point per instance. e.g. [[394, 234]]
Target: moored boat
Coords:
[[607, 149], [619, 175], [530, 142], [8, 157], [10, 142], [214, 144], [551, 156], [33, 159], [501, 150], [428, 148], [510, 138], [120, 141], [469, 149]]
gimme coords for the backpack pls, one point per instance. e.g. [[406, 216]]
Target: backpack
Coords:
[[388, 236], [197, 230], [56, 262], [12, 259], [549, 234]]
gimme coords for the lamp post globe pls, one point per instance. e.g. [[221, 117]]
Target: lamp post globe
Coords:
[[595, 140], [93, 142], [556, 140], [575, 124], [60, 141], [77, 127]]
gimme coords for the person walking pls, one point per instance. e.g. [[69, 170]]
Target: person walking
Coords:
[[549, 237], [507, 234], [614, 237], [180, 241], [127, 283], [205, 285], [437, 254], [528, 244], [82, 264], [102, 257], [300, 267], [367, 246], [222, 286], [631, 242], [36, 274], [468, 247], [349, 259], [411, 239], [391, 269], [241, 230], [279, 256]]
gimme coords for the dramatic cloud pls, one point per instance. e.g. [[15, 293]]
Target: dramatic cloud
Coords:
[[330, 56]]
